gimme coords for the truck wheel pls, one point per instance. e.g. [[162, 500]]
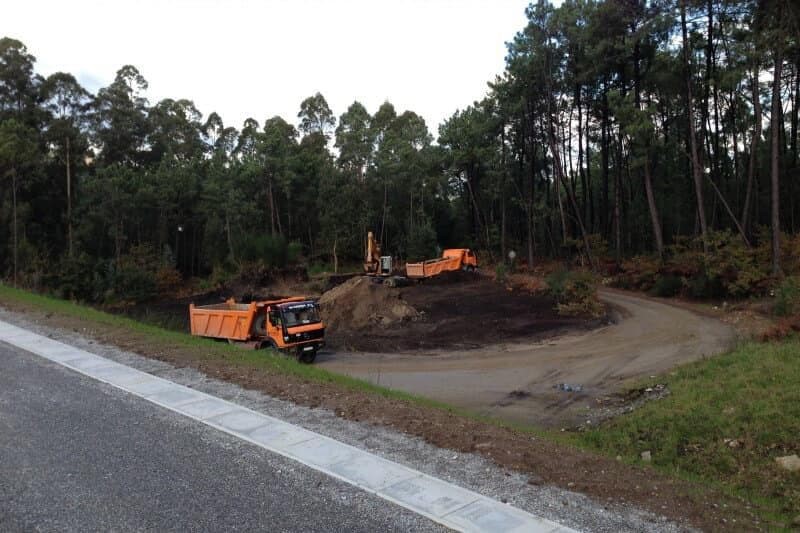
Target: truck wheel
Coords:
[[307, 357]]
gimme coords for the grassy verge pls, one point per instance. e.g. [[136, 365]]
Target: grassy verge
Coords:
[[725, 422]]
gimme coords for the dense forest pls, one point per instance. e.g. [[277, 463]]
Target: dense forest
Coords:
[[617, 129]]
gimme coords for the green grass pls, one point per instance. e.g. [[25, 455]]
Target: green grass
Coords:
[[752, 395]]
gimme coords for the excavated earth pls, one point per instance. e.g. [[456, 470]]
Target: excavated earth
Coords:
[[456, 310]]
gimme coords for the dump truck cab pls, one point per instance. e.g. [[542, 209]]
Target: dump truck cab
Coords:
[[466, 257], [295, 325]]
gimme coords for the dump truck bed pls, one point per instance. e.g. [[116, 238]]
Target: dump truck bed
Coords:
[[223, 321], [432, 267], [452, 259]]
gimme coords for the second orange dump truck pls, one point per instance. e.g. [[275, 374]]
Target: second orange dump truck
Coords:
[[290, 325], [452, 259]]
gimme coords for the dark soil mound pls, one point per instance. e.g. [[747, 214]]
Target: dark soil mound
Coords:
[[455, 310]]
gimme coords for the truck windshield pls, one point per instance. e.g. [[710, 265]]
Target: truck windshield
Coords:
[[300, 314]]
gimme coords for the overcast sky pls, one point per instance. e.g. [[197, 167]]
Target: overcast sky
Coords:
[[262, 58]]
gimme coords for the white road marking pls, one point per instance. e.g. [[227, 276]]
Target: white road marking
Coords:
[[448, 504]]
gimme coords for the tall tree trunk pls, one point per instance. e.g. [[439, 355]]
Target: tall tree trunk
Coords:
[[584, 186], [589, 193], [617, 205], [696, 168], [752, 164], [651, 203], [557, 191], [604, 156], [271, 201], [709, 53], [729, 211], [503, 193], [229, 235], [775, 126], [335, 257], [69, 200], [560, 177], [793, 145], [14, 209], [383, 213]]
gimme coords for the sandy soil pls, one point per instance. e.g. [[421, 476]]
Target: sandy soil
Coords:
[[519, 381]]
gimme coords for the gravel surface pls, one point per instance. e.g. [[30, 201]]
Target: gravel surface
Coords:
[[465, 469]]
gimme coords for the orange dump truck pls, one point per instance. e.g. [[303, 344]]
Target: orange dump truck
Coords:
[[452, 259], [291, 325]]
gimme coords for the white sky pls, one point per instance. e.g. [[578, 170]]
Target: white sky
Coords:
[[262, 58]]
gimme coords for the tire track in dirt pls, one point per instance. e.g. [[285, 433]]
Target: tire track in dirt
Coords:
[[649, 337]]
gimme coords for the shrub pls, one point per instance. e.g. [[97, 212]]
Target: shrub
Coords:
[[73, 279], [133, 280], [294, 252], [730, 269], [639, 273], [133, 284], [667, 286], [501, 272], [575, 293], [787, 297], [168, 280]]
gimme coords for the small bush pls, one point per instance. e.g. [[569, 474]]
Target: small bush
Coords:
[[168, 280], [221, 275], [787, 297], [133, 284], [294, 252], [575, 293], [667, 286], [701, 286], [501, 272], [73, 279]]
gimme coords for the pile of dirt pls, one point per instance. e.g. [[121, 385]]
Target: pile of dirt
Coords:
[[359, 303], [457, 310]]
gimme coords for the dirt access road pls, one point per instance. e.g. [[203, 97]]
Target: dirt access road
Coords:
[[518, 381]]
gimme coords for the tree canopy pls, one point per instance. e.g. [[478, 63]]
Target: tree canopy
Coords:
[[616, 127]]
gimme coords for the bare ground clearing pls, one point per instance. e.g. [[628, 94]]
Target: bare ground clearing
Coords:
[[519, 381]]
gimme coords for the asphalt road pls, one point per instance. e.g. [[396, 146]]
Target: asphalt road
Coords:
[[78, 455]]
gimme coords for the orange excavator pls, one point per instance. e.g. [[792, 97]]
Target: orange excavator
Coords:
[[289, 325], [452, 259], [376, 264]]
